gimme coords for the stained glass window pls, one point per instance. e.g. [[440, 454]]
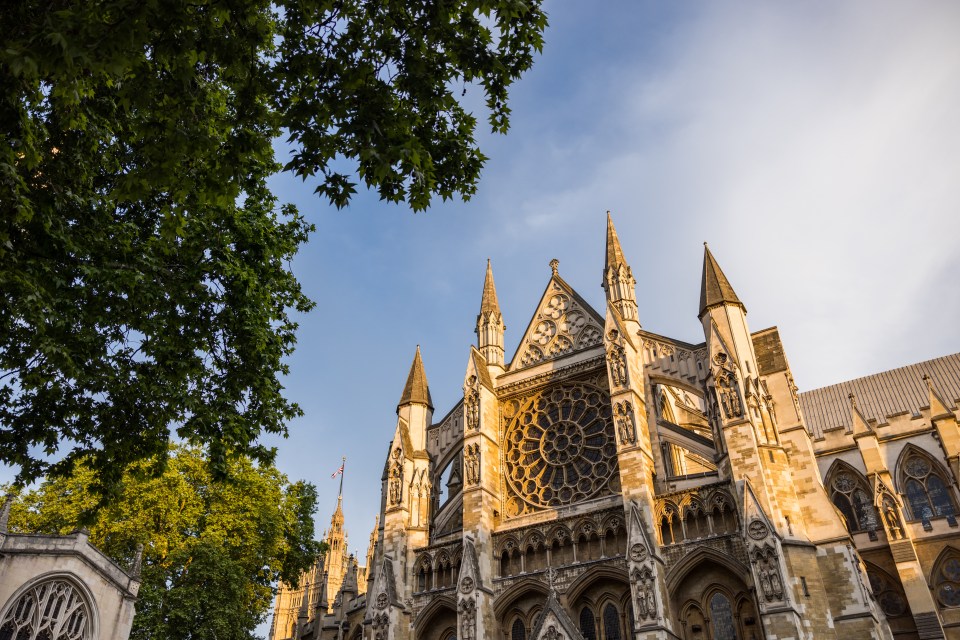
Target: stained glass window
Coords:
[[721, 614], [948, 582], [611, 623], [588, 625], [927, 493], [853, 501], [518, 632]]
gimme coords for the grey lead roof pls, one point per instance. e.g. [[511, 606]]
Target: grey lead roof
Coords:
[[882, 394]]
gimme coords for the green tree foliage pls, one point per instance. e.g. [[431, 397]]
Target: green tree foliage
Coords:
[[212, 550], [144, 264]]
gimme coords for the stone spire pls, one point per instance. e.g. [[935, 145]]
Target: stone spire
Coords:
[[416, 391], [5, 512], [490, 325], [618, 281], [715, 289]]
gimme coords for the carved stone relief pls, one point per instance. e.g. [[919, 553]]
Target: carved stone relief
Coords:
[[617, 359], [471, 464], [644, 584], [561, 327], [471, 404], [468, 619], [626, 426], [767, 570], [396, 477]]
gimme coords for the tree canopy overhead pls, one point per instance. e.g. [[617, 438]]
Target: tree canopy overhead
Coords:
[[144, 264]]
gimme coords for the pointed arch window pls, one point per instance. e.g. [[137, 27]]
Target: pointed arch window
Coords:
[[721, 617], [588, 625], [611, 623], [50, 610], [518, 631], [887, 593], [851, 496], [946, 579], [927, 493]]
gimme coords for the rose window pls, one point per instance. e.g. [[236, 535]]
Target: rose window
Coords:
[[559, 448]]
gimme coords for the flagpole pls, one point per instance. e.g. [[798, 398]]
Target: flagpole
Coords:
[[342, 467]]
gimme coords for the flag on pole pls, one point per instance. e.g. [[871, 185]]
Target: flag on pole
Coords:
[[338, 471]]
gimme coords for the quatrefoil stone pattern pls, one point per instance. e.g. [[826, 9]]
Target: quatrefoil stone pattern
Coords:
[[562, 327]]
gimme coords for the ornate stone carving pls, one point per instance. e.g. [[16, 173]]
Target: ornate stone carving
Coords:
[[638, 552], [757, 529], [471, 404], [471, 464], [626, 426], [617, 359], [396, 477], [553, 634], [559, 448], [382, 601], [381, 626], [468, 619], [645, 590], [467, 584], [728, 390], [767, 570], [561, 326]]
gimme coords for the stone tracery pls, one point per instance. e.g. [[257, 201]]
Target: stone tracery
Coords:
[[559, 448]]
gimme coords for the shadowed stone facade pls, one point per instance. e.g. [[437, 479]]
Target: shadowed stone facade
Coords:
[[609, 483]]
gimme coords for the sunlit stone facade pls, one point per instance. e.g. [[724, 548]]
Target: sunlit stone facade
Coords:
[[608, 483]]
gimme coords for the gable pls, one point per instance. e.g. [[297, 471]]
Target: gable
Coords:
[[563, 323]]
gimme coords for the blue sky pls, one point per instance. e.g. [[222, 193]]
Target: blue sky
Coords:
[[815, 145]]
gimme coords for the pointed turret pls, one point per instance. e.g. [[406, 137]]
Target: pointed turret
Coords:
[[715, 289], [618, 281], [490, 325], [416, 391]]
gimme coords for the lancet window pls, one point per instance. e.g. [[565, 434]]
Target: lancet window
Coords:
[[588, 625], [50, 610], [922, 482], [518, 631], [850, 494]]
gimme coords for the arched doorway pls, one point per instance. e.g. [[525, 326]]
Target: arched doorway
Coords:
[[600, 605], [712, 600], [438, 621]]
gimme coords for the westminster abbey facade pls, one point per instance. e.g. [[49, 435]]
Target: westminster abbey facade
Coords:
[[610, 483]]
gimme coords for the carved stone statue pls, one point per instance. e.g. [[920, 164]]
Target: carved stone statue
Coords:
[[396, 477], [618, 365], [471, 404], [729, 396], [471, 463], [892, 519], [468, 619], [625, 424]]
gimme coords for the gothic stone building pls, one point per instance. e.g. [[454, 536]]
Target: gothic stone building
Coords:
[[62, 588], [612, 483]]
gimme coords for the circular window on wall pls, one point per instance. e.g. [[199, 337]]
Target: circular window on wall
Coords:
[[559, 448]]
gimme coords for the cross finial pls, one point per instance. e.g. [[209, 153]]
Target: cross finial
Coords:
[[554, 265], [551, 577]]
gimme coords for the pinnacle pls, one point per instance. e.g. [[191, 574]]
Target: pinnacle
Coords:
[[614, 252], [416, 390], [489, 301], [715, 289]]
